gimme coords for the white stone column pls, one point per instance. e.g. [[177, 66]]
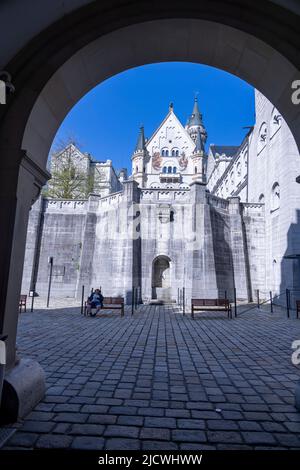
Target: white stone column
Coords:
[[200, 263], [20, 183], [239, 258]]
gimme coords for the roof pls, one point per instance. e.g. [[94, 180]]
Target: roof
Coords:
[[196, 117], [140, 145], [171, 111], [228, 150]]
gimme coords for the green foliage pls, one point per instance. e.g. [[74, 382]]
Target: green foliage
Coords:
[[69, 180]]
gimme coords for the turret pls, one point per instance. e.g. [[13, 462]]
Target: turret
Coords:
[[195, 123], [139, 159], [199, 159]]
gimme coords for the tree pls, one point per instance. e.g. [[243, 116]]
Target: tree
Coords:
[[70, 171]]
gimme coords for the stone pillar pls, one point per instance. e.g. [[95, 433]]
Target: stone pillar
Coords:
[[200, 264], [239, 258], [132, 245], [20, 183], [33, 242], [88, 248]]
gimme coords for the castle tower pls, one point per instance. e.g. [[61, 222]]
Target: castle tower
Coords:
[[139, 159], [195, 123], [199, 159]]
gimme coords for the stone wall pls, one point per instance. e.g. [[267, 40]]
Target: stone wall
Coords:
[[115, 242]]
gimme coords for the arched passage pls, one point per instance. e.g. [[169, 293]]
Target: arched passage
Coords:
[[66, 50], [161, 278]]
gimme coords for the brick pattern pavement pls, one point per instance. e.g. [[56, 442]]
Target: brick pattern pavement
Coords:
[[161, 381]]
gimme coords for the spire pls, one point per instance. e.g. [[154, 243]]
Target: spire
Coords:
[[140, 145], [196, 117]]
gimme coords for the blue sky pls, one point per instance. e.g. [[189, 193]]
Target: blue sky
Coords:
[[105, 121]]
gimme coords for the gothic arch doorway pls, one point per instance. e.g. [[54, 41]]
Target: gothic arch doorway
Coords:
[[161, 278]]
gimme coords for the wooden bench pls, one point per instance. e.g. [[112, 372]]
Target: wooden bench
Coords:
[[22, 302], [110, 303], [297, 308], [211, 305]]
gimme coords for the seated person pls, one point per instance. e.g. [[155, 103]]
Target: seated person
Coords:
[[95, 302]]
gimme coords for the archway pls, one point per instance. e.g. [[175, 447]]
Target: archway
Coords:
[[59, 59], [161, 278]]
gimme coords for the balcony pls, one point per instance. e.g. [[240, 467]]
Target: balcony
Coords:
[[170, 177]]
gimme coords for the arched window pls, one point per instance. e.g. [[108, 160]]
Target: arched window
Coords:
[[275, 122], [177, 153], [136, 169], [162, 153], [167, 153], [164, 169], [173, 153], [196, 169], [174, 169], [262, 137], [261, 199], [169, 169], [275, 201], [172, 216]]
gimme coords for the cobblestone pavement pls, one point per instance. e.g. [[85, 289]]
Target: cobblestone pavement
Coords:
[[159, 380]]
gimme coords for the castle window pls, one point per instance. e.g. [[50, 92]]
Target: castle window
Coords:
[[177, 153], [169, 169], [172, 216], [275, 200], [167, 153], [164, 169], [275, 122], [196, 169], [173, 153], [136, 169], [174, 169], [162, 153], [262, 137]]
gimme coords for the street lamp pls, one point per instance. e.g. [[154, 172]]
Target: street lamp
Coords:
[[50, 261]]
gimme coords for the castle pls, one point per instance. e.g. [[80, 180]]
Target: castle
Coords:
[[206, 221]]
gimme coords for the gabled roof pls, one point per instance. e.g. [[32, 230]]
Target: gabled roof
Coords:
[[171, 111]]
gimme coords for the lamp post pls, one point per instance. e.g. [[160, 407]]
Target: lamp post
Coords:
[[50, 261]]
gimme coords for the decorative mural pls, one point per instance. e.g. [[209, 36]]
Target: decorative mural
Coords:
[[156, 161], [183, 161]]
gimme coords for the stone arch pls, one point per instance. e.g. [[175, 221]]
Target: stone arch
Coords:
[[161, 277], [70, 47]]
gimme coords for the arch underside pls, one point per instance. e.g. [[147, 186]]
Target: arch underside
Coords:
[[93, 43]]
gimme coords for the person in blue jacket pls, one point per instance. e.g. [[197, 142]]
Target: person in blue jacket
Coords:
[[95, 302]]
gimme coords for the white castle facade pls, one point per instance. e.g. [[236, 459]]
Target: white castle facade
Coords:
[[206, 221]]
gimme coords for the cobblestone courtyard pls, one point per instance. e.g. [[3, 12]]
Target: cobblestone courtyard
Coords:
[[159, 380]]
